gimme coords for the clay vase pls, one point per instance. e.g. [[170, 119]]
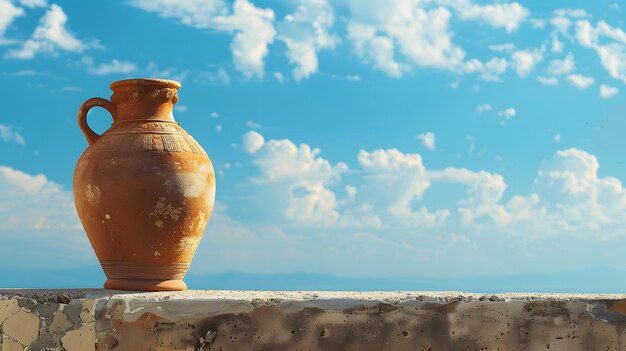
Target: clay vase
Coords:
[[144, 189]]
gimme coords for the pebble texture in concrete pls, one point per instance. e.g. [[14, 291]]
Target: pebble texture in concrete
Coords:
[[248, 320]]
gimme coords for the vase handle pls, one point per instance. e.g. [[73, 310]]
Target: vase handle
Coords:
[[90, 135]]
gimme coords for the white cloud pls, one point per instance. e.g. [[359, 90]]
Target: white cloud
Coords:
[[607, 92], [579, 81], [252, 142], [538, 23], [505, 48], [254, 33], [113, 67], [375, 49], [8, 134], [576, 195], [195, 13], [306, 32], [489, 71], [8, 13], [483, 108], [573, 13], [212, 77], [282, 160], [253, 125], [557, 45], [428, 140], [612, 54], [219, 128], [50, 36], [561, 25], [500, 15], [279, 77], [25, 73], [33, 202], [508, 113], [422, 37], [34, 3], [71, 88], [567, 192], [397, 36], [493, 68], [252, 27], [484, 189], [565, 66], [393, 181], [524, 61], [153, 70], [300, 175], [548, 80]]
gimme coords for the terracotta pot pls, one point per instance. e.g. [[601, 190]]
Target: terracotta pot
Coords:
[[144, 189]]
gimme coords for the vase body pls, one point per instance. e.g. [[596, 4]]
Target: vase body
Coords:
[[144, 190]]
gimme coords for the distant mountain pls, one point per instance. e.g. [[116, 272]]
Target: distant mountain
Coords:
[[585, 281]]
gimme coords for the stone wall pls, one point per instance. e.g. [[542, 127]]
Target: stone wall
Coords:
[[247, 320]]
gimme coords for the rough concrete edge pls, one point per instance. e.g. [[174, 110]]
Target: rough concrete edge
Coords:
[[327, 298]]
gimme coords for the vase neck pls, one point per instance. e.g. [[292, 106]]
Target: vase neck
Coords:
[[145, 99]]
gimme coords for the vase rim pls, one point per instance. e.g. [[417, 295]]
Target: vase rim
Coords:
[[165, 83]]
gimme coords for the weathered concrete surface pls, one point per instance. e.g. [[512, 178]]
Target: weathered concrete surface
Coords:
[[249, 320]]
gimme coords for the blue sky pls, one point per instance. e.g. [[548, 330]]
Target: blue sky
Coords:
[[404, 139]]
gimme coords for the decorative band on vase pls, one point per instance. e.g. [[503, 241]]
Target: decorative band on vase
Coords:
[[150, 271]]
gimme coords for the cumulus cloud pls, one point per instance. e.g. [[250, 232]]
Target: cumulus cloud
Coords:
[[8, 13], [524, 61], [500, 15], [393, 181], [607, 91], [306, 32], [489, 71], [576, 195], [375, 49], [579, 81], [507, 113], [548, 80], [282, 159], [252, 27], [564, 66], [484, 189], [219, 76], [50, 36], [153, 70], [33, 202], [573, 13], [483, 108], [253, 125], [505, 48], [421, 36], [252, 142], [392, 36], [34, 3], [9, 134], [113, 67], [298, 173], [428, 140], [609, 44]]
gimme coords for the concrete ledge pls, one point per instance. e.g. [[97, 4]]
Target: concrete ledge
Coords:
[[259, 320]]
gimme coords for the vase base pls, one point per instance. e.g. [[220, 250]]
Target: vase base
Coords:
[[145, 285]]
